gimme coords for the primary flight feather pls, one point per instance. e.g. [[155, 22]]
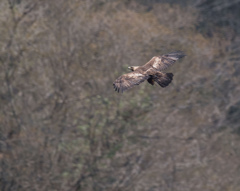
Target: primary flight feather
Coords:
[[151, 71]]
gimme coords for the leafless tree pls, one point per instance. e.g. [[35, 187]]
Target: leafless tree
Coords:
[[62, 126]]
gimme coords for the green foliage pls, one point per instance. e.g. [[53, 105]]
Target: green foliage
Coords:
[[114, 149]]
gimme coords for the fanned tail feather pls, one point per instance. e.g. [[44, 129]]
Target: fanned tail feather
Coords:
[[163, 79]]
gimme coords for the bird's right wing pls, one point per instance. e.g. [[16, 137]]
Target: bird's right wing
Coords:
[[129, 80]]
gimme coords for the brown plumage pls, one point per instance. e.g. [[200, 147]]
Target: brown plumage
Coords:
[[151, 72]]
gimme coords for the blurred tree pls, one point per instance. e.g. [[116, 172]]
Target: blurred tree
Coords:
[[62, 127]]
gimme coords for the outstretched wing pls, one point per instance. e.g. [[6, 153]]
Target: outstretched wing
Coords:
[[129, 80], [162, 62]]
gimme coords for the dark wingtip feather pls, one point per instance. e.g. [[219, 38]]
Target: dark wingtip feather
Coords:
[[115, 87], [177, 54]]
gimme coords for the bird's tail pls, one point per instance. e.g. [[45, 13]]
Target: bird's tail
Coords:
[[163, 79]]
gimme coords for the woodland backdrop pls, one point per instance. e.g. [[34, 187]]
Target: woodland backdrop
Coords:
[[62, 125]]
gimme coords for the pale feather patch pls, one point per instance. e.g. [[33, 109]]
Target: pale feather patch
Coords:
[[134, 74], [156, 62], [173, 58]]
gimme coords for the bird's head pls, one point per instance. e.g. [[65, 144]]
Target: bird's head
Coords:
[[132, 68]]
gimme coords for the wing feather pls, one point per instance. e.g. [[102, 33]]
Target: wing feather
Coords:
[[163, 62], [129, 80]]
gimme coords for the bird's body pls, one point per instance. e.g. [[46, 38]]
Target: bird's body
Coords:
[[151, 71]]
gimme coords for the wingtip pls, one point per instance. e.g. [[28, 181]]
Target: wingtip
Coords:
[[176, 54], [179, 53], [116, 88]]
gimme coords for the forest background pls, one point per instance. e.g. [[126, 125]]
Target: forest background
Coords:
[[62, 126]]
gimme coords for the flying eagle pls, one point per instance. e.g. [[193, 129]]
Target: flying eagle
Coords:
[[151, 71]]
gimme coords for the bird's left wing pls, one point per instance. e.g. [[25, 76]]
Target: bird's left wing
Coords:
[[161, 63], [129, 80]]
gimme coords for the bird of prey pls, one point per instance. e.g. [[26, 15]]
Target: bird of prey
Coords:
[[151, 71]]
